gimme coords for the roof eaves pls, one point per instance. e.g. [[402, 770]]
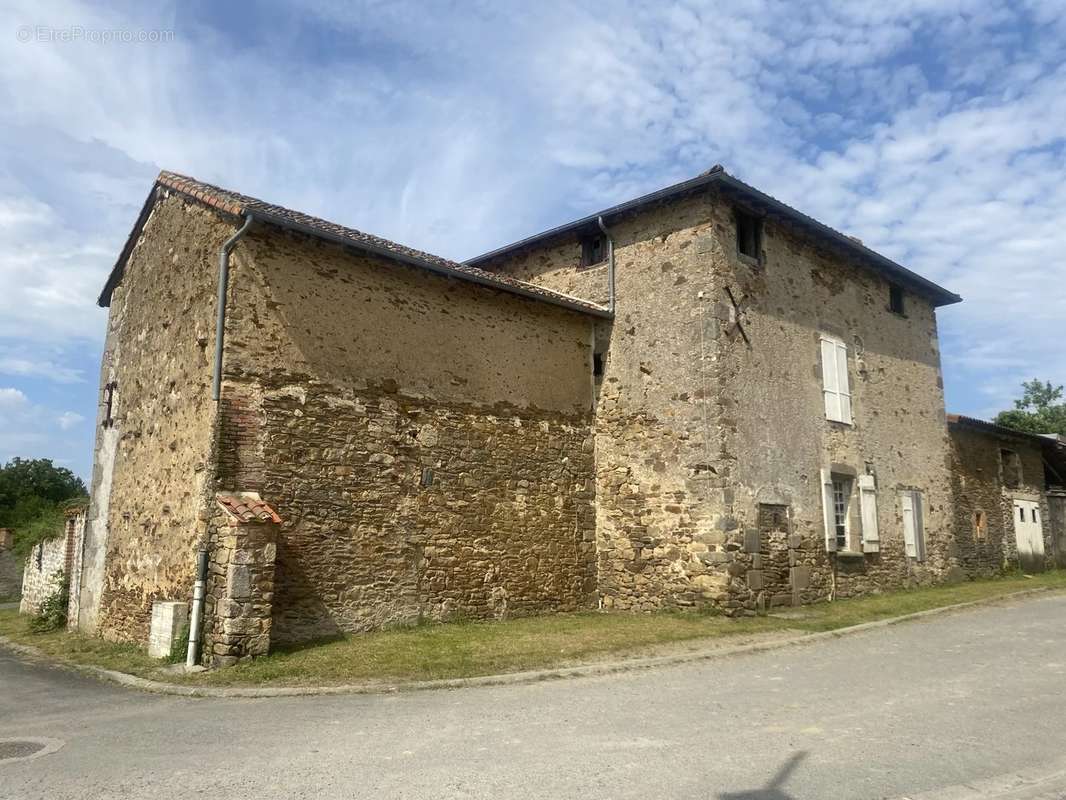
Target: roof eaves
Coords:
[[940, 295], [995, 428], [238, 205]]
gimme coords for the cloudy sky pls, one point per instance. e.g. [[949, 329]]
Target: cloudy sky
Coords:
[[932, 129]]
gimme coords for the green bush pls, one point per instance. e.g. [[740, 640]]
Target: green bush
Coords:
[[52, 614]]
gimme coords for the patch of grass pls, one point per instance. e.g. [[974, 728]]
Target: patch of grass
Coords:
[[74, 648], [465, 649]]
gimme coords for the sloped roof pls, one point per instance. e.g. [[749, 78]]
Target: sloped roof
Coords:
[[992, 427], [759, 201], [239, 205], [247, 507]]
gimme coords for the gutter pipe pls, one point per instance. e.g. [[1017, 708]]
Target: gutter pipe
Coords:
[[223, 285], [192, 655], [610, 264]]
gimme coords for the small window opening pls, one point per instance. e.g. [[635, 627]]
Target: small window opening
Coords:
[[980, 525], [773, 518], [841, 498], [1021, 514], [749, 234], [1011, 467], [109, 403], [895, 300], [40, 556], [597, 365], [593, 250]]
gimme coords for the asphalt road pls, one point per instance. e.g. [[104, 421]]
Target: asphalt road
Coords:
[[967, 705]]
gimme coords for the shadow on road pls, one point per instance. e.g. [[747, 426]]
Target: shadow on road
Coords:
[[772, 790]]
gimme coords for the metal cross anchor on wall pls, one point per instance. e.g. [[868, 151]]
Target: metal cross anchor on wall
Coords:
[[736, 316]]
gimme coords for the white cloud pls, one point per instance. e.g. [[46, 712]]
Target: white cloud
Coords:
[[930, 128], [11, 398], [68, 419]]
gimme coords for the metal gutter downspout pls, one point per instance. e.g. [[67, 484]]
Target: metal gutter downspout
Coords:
[[223, 285], [196, 620], [610, 264], [192, 654]]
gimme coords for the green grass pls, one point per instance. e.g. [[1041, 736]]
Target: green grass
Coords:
[[467, 649]]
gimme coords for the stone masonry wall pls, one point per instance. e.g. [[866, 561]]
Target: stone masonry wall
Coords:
[[160, 350], [42, 573], [698, 429], [426, 442], [978, 485], [239, 594]]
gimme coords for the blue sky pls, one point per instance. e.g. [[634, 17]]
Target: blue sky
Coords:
[[932, 129]]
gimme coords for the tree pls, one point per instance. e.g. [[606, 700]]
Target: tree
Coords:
[[1041, 409], [33, 493]]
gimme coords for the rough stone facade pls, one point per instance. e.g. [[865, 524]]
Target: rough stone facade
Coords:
[[441, 472], [702, 424], [438, 449], [991, 468], [428, 441], [238, 605]]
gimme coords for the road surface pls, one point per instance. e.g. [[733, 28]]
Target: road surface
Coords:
[[966, 705]]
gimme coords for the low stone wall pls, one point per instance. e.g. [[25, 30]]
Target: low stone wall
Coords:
[[43, 574]]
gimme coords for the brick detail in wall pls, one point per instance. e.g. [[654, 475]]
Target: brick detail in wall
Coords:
[[239, 456]]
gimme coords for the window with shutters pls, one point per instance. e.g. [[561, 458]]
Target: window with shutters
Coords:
[[835, 386], [841, 498]]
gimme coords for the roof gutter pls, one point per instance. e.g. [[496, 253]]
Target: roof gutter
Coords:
[[220, 319], [719, 176]]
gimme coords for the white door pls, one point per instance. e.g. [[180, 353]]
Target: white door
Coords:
[[1029, 534]]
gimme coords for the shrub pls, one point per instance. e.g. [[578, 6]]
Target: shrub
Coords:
[[52, 614]]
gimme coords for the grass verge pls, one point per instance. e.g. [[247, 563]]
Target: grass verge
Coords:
[[467, 649]]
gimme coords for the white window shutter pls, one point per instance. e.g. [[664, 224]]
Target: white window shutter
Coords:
[[906, 500], [871, 538], [830, 377], [843, 387], [827, 512], [919, 526]]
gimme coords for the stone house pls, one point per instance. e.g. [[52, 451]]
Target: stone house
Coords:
[[1009, 497], [701, 396]]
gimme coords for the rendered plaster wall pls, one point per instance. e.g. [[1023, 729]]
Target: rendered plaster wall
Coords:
[[425, 441]]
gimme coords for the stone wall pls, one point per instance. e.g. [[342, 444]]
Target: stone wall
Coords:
[[426, 442], [240, 591], [153, 470], [43, 573], [699, 424], [980, 486]]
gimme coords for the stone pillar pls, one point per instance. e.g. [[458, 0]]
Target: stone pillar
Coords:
[[240, 590]]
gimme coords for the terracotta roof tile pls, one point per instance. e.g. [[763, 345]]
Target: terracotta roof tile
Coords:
[[238, 204], [247, 507]]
